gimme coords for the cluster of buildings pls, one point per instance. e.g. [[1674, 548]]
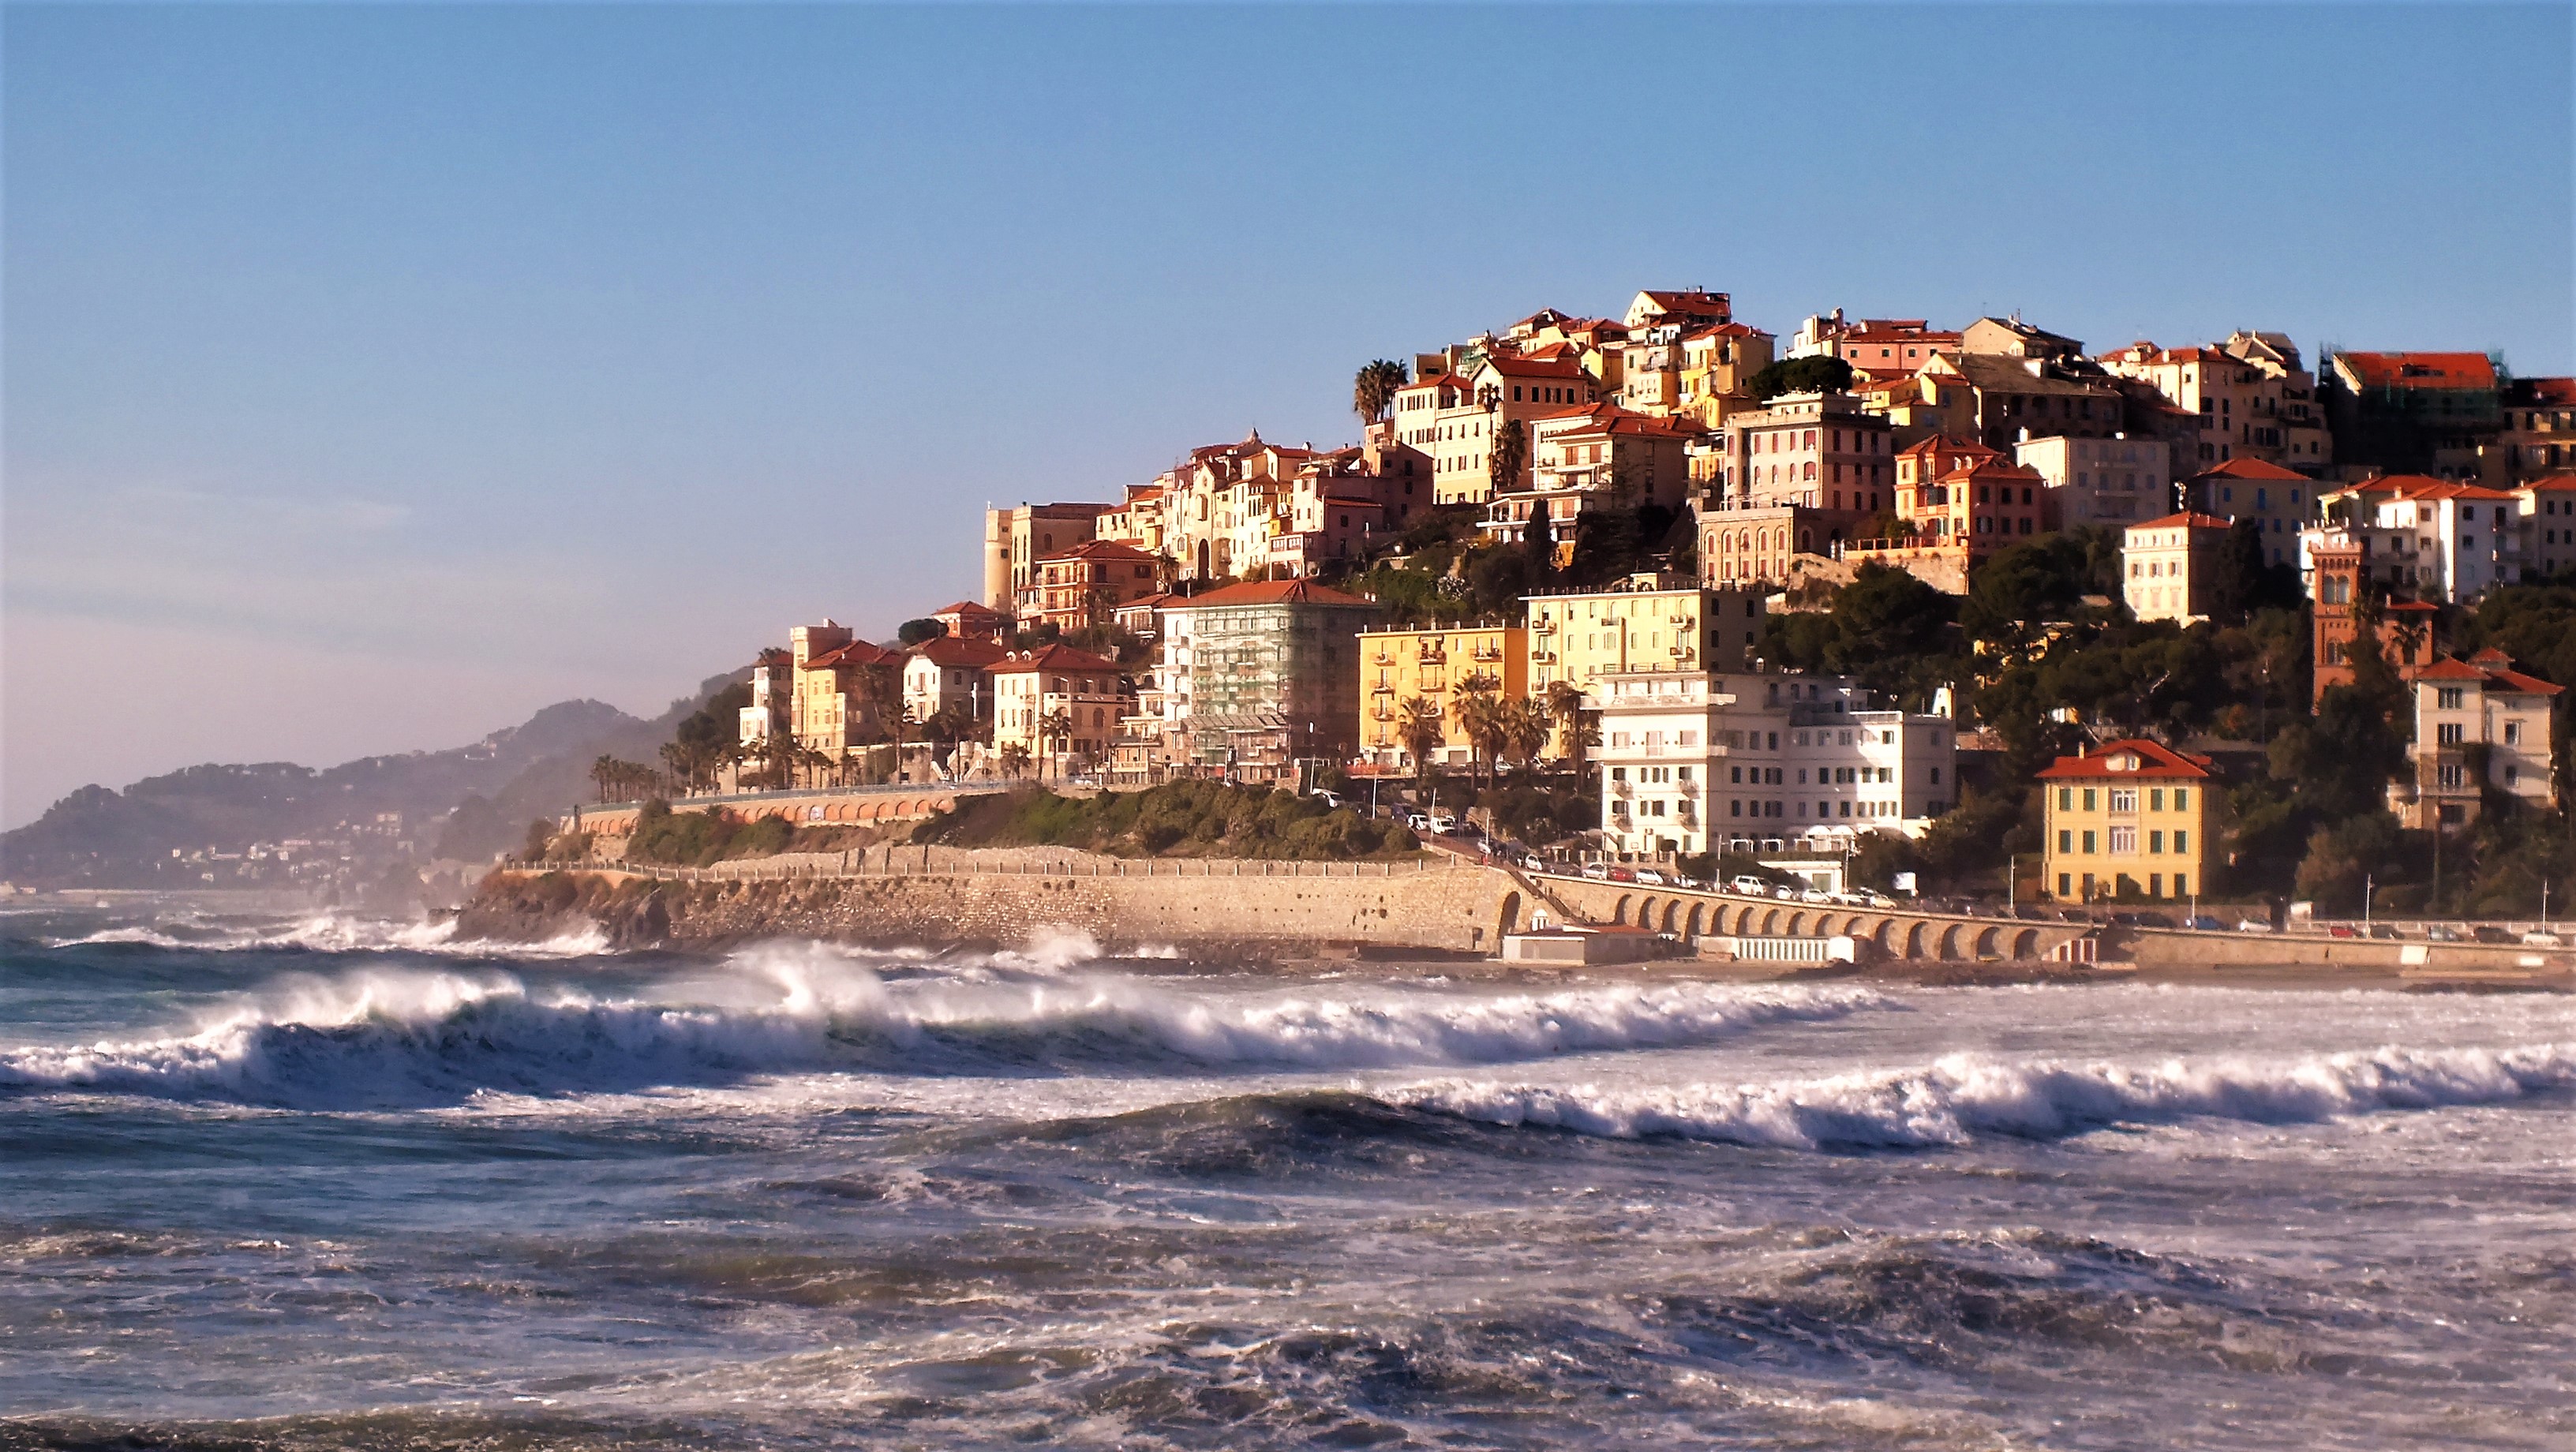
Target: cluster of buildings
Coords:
[[1221, 582]]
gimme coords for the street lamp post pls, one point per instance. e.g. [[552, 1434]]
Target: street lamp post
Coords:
[[2367, 883]]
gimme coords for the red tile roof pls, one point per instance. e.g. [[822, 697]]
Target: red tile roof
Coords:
[[856, 653], [1512, 365], [2250, 469], [2541, 393], [958, 650], [1101, 549], [1051, 658], [2195, 521], [2421, 370], [2489, 667], [1276, 592], [2553, 482], [966, 607], [2161, 763]]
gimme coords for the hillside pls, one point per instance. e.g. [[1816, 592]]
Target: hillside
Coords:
[[279, 824]]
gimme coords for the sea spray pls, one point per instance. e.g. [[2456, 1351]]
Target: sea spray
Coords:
[[1962, 1096], [398, 1036]]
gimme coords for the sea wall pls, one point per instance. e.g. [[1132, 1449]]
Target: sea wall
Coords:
[[1214, 906]]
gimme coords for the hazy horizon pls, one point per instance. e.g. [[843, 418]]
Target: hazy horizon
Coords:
[[376, 376]]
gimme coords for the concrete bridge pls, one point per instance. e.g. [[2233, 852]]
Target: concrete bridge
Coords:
[[1898, 933]]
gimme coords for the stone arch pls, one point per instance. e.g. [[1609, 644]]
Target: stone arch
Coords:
[[1989, 942], [1851, 926], [1509, 921], [1914, 939], [1646, 911], [2026, 944], [1885, 935], [1797, 924], [1672, 908], [1823, 926], [1770, 920], [1619, 914], [1949, 946], [1690, 925]]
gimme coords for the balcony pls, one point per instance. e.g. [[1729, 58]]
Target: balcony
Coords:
[[1383, 657], [1542, 657], [1487, 653], [1432, 655], [1544, 627]]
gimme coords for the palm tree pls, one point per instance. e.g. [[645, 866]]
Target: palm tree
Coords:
[[1015, 759], [1527, 725], [1480, 719], [1565, 708], [1419, 730], [2409, 634], [602, 773], [1373, 391], [1055, 726], [1511, 453]]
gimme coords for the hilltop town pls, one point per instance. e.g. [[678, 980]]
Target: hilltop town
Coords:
[[2154, 624]]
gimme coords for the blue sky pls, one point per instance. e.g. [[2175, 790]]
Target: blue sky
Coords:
[[376, 375]]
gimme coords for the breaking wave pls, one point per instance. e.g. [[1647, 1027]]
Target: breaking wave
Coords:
[[1961, 1097], [389, 1038], [335, 933]]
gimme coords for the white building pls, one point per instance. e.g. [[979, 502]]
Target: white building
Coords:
[[2169, 566], [2431, 538], [1693, 762], [2115, 482], [2465, 709]]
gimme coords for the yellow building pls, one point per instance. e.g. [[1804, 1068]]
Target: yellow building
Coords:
[[1436, 664], [1648, 622], [2129, 819]]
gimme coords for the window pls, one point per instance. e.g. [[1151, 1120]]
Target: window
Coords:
[[2447, 698], [2065, 840], [2182, 803], [2513, 733], [2088, 844], [2156, 800], [2448, 733], [2124, 840], [2182, 844], [2124, 799], [2066, 799], [2090, 800]]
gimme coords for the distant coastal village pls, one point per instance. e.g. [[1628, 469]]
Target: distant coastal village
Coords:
[[1963, 615], [1968, 606]]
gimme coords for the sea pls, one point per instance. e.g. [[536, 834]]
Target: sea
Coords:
[[312, 1181]]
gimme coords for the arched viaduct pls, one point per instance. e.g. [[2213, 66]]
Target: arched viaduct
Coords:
[[1692, 913], [844, 807]]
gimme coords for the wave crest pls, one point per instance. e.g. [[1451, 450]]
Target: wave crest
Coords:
[[1963, 1096], [406, 1038]]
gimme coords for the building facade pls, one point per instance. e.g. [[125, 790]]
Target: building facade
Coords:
[[2169, 567], [1257, 676], [1695, 762], [2112, 482], [1015, 539], [1440, 666], [2280, 502], [2127, 820], [1060, 705], [2482, 729]]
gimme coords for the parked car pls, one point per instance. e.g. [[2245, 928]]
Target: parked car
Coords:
[[1650, 877], [2442, 933], [2342, 930], [2205, 924], [1681, 879], [1785, 894], [1623, 874], [2383, 930], [2490, 935], [1443, 824], [1881, 900], [1327, 798], [1596, 871], [2538, 939], [2254, 925], [1749, 886], [1815, 894]]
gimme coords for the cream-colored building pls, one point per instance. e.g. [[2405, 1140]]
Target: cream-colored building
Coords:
[[1015, 539], [2467, 709], [1821, 450], [1648, 622], [1441, 665], [1059, 704], [2250, 397], [2110, 482], [1598, 457], [950, 672], [2131, 819], [844, 689], [2169, 566]]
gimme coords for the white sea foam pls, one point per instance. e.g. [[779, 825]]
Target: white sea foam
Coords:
[[338, 933], [409, 1037], [1962, 1096]]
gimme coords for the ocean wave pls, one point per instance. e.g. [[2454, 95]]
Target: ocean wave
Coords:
[[333, 933], [1963, 1096], [393, 1038]]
